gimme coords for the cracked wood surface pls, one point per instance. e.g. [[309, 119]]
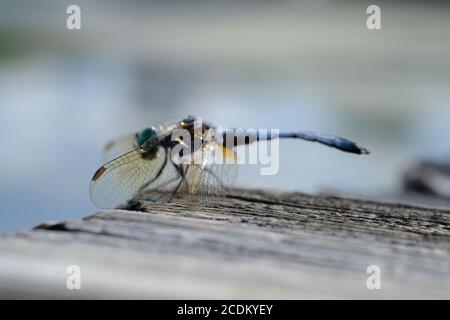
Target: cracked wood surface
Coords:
[[251, 244]]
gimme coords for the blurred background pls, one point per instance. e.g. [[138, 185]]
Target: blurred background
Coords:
[[289, 64]]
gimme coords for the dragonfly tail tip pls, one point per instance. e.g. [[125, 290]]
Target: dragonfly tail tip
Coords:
[[363, 151]]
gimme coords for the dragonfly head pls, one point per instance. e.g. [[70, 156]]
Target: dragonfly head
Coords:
[[144, 135]]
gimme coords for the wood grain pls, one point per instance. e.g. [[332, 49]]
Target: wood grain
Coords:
[[252, 244]]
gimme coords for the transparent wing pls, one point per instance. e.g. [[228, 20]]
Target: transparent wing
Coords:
[[211, 176], [118, 147], [211, 181], [167, 180], [123, 178]]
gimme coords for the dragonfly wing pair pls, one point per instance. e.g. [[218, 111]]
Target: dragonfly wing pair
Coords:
[[121, 179], [151, 167], [207, 176]]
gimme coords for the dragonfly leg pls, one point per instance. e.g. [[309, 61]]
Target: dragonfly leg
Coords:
[[182, 173], [156, 177]]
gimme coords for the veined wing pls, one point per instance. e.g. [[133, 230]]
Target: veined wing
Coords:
[[123, 178], [118, 147], [210, 175], [211, 181]]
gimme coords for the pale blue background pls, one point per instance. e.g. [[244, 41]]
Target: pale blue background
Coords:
[[288, 65]]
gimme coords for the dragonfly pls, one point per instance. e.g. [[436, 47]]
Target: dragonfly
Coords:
[[159, 158]]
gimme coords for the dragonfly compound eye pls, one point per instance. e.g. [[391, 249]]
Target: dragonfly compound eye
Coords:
[[144, 135]]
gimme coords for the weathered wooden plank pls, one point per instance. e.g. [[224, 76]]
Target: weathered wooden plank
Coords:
[[251, 244]]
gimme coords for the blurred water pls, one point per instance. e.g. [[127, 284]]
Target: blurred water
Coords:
[[62, 101]]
